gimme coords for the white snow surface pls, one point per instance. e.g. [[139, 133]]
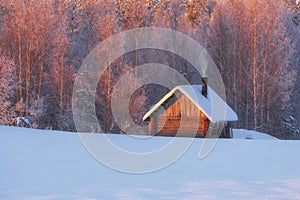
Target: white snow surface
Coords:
[[248, 134], [38, 164], [214, 107]]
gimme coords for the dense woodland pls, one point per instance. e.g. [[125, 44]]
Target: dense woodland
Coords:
[[254, 43]]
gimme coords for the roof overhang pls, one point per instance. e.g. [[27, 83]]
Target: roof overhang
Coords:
[[213, 107]]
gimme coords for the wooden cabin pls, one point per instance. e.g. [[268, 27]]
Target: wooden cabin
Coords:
[[188, 111]]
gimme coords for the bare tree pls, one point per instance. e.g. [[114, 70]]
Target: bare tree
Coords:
[[251, 46], [8, 90]]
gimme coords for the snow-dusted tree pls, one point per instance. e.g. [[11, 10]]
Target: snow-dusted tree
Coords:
[[62, 76], [35, 33], [89, 17], [8, 90], [167, 14], [28, 36], [251, 46], [252, 42], [195, 21], [293, 31]]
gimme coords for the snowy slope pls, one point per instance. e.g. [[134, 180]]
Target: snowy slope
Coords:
[[54, 165], [248, 134]]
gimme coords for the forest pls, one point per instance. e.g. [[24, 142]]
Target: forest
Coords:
[[254, 43]]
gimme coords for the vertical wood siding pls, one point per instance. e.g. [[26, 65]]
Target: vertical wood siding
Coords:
[[179, 113]]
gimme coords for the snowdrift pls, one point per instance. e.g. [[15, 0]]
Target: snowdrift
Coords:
[[38, 164]]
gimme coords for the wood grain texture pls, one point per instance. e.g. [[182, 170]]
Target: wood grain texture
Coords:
[[180, 118]]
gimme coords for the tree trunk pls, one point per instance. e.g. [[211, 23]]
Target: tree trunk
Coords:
[[255, 68], [263, 84], [28, 73], [20, 71], [43, 54]]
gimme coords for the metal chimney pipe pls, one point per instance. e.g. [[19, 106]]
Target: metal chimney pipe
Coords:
[[204, 86]]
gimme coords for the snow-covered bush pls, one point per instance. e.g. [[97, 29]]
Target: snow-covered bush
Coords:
[[291, 124], [22, 122]]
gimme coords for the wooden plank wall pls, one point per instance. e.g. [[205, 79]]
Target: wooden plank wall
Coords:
[[182, 112]]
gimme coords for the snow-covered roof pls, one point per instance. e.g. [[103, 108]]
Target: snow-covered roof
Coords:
[[214, 107]]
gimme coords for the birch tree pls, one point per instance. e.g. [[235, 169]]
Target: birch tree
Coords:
[[251, 47], [8, 90]]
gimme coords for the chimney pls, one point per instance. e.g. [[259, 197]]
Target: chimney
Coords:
[[204, 86]]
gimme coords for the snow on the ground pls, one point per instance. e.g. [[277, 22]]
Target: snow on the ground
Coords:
[[248, 134], [54, 165]]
